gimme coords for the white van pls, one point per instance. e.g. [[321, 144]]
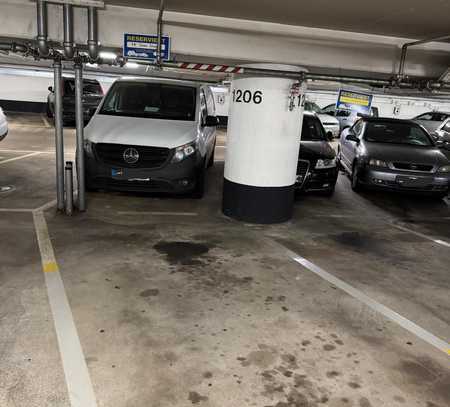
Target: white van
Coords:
[[3, 125], [151, 135]]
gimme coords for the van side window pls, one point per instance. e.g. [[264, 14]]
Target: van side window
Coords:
[[210, 103]]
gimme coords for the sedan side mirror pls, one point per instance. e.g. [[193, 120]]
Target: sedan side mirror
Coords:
[[352, 137], [211, 121], [50, 88]]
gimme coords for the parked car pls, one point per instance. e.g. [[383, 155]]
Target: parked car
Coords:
[[393, 154], [3, 125], [316, 169], [152, 135], [347, 118], [330, 124], [92, 96], [437, 124]]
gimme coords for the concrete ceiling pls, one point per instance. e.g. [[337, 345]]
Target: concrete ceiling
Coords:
[[402, 18]]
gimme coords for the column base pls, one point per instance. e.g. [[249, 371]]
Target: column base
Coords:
[[264, 205]]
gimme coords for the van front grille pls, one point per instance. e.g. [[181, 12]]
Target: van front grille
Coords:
[[147, 157]]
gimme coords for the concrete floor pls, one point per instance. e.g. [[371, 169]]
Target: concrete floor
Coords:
[[176, 305]]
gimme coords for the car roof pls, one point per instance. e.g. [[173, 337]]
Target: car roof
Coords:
[[387, 120], [434, 111], [162, 80]]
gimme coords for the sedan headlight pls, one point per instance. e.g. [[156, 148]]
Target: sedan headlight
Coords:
[[377, 163], [326, 163], [445, 168], [183, 152]]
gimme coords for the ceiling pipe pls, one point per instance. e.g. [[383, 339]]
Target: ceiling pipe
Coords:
[[160, 29], [401, 69], [42, 22], [69, 48], [92, 33]]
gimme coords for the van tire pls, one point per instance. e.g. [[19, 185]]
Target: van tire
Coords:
[[211, 159], [199, 190]]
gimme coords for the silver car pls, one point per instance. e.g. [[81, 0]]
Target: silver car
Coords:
[[329, 123], [394, 154], [347, 118], [437, 124]]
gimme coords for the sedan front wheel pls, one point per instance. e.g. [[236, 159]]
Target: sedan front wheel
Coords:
[[356, 183]]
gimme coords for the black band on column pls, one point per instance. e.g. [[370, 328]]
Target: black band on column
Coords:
[[257, 204]]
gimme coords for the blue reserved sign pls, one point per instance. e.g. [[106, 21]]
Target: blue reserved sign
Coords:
[[144, 47]]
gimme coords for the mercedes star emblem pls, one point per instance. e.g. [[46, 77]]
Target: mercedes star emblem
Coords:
[[131, 155]]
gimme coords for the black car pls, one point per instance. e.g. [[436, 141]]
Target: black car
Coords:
[[316, 169], [92, 96]]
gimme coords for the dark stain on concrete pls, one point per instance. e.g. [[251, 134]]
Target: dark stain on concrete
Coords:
[[399, 399], [364, 402], [354, 385], [261, 358], [306, 343], [332, 374], [290, 360], [196, 398], [329, 347], [184, 253], [207, 375], [152, 292]]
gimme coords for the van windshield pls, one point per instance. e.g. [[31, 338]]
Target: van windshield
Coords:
[[150, 100]]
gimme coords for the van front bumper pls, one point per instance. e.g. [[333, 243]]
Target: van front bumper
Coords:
[[176, 178]]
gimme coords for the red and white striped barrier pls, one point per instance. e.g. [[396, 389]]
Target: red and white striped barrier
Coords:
[[211, 67]]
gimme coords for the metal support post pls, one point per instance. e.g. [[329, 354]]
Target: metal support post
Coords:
[[79, 119], [59, 136], [69, 188]]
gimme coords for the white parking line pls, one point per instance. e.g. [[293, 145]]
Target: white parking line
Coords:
[[438, 241], [20, 157], [375, 305], [79, 386], [153, 213], [26, 151]]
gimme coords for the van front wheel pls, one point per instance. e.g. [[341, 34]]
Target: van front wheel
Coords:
[[200, 181]]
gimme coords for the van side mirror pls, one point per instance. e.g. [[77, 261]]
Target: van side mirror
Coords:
[[50, 88], [211, 121]]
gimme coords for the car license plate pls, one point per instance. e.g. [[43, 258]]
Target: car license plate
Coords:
[[413, 182]]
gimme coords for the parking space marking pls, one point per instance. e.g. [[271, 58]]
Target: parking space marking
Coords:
[[365, 299], [16, 210], [79, 385], [20, 157], [153, 213], [438, 241], [26, 151]]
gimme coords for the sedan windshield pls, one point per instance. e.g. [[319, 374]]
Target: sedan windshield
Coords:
[[150, 100], [312, 129], [312, 107], [396, 133]]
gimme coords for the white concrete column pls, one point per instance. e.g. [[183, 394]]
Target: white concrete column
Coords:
[[264, 131]]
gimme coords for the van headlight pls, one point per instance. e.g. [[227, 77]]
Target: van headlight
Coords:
[[183, 152], [88, 148], [445, 168], [326, 163]]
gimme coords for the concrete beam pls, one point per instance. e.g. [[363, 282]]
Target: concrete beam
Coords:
[[217, 39]]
